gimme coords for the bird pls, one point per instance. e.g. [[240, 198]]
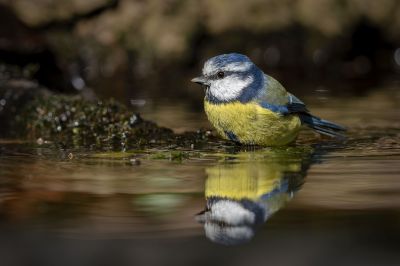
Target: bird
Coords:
[[249, 107]]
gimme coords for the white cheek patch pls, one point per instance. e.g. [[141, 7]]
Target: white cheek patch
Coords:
[[229, 88]]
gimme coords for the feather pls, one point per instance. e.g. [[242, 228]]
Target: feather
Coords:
[[277, 100], [322, 126]]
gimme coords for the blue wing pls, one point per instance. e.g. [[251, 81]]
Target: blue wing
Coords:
[[293, 105], [277, 99]]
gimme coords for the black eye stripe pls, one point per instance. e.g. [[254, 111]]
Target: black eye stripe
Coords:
[[226, 73]]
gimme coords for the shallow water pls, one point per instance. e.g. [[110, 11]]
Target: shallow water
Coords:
[[301, 205]]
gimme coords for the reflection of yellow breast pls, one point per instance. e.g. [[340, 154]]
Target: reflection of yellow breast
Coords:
[[253, 124], [245, 180]]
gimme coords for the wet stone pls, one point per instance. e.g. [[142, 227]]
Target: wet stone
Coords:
[[77, 122]]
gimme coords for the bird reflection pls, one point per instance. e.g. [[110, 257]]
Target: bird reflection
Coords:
[[245, 189]]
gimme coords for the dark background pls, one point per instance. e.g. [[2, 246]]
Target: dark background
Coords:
[[150, 49]]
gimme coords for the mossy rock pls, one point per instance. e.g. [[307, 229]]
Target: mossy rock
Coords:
[[72, 121]]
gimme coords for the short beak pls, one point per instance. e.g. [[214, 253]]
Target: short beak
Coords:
[[200, 80]]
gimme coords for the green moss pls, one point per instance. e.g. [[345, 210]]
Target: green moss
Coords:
[[103, 123], [177, 156], [112, 155], [72, 121]]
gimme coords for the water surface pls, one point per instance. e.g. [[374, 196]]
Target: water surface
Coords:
[[233, 205]]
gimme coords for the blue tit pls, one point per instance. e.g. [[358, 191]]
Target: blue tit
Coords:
[[249, 107]]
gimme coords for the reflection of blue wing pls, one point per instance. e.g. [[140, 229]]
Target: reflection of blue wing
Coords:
[[282, 188]]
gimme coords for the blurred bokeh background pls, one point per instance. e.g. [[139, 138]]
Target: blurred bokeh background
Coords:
[[131, 49]]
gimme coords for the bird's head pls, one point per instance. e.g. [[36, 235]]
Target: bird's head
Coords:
[[230, 77]]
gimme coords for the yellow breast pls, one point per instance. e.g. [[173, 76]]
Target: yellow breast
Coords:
[[252, 124]]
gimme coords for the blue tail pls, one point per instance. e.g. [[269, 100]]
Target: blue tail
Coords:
[[322, 126]]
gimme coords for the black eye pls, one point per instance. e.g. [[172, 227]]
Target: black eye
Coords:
[[220, 74]]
